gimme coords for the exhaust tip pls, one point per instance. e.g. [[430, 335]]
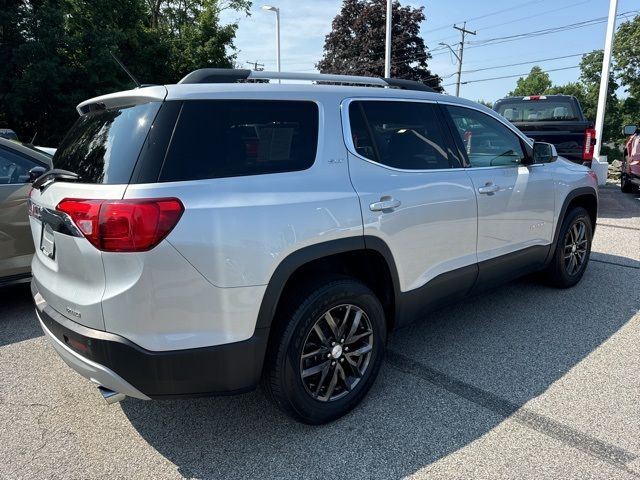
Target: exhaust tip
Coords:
[[110, 396]]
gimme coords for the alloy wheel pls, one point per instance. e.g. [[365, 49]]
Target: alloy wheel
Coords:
[[336, 353], [575, 247]]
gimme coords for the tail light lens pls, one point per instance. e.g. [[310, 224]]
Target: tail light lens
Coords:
[[124, 225], [589, 142]]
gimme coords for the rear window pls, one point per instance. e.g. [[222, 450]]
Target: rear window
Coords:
[[230, 138], [103, 145], [546, 110]]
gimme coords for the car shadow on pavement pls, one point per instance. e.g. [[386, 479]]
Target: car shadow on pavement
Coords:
[[507, 346], [18, 321]]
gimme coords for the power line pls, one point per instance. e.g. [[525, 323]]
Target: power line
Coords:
[[515, 20], [521, 36], [501, 24], [524, 63], [546, 31], [512, 76], [489, 14]]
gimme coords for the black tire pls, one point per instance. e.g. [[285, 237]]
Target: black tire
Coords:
[[561, 272], [282, 378], [625, 185]]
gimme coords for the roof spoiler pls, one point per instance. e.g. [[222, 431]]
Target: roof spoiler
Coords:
[[136, 96], [228, 75]]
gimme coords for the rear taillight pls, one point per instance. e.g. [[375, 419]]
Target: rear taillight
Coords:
[[124, 225], [589, 142]]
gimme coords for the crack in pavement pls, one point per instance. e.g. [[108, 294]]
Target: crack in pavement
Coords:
[[613, 263], [611, 225], [612, 454]]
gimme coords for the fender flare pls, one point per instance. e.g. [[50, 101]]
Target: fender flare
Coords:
[[301, 257], [572, 195]]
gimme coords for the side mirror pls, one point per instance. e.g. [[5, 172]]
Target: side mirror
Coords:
[[544, 152], [629, 130], [36, 172]]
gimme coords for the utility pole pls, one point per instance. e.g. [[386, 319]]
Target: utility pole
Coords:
[[258, 67], [387, 44], [463, 32]]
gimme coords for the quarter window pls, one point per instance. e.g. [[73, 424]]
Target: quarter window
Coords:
[[405, 135], [487, 141], [230, 138]]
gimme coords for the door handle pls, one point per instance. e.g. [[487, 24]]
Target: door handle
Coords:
[[489, 188], [385, 203]]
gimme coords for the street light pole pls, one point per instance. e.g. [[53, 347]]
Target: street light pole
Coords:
[[277, 11], [387, 48], [604, 76]]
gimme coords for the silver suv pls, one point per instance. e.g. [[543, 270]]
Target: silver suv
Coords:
[[200, 237]]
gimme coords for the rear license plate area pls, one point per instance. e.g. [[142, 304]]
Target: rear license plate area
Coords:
[[47, 241]]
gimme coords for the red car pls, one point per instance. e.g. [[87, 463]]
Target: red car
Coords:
[[630, 178]]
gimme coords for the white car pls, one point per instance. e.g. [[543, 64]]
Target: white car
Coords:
[[203, 236]]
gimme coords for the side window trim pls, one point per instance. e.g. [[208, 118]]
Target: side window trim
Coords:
[[348, 138]]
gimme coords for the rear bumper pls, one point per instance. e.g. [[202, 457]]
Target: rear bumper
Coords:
[[122, 366]]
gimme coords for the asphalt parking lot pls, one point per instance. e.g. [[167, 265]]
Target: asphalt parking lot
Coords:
[[521, 382]]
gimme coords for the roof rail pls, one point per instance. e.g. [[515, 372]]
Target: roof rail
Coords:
[[229, 75]]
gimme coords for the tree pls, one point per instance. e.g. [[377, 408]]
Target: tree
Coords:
[[587, 91], [356, 43], [56, 53], [196, 37], [626, 51], [485, 103], [575, 89], [533, 84]]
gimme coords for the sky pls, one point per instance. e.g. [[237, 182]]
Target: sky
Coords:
[[305, 23]]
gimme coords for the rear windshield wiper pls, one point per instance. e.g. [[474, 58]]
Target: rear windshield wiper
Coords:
[[53, 175]]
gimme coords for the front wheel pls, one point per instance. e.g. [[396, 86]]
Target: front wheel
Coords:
[[328, 353], [572, 251]]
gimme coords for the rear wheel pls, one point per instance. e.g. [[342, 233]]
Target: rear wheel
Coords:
[[328, 353], [572, 250], [625, 185]]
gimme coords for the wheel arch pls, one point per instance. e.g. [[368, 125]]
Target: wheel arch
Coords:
[[366, 258], [585, 197]]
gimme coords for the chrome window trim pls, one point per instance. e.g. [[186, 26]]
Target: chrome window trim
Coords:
[[348, 139]]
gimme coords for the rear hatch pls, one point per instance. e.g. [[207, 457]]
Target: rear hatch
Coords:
[[102, 148]]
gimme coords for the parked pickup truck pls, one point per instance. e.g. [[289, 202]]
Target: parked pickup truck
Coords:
[[556, 119]]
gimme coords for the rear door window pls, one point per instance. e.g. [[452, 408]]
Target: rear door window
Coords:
[[230, 138], [103, 145], [403, 135]]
